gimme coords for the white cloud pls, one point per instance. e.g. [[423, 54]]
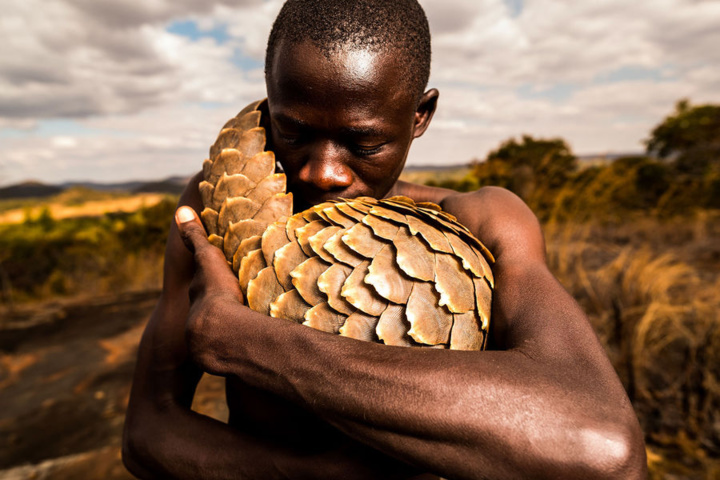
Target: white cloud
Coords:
[[64, 142], [155, 143], [481, 66], [560, 41], [82, 58], [148, 103]]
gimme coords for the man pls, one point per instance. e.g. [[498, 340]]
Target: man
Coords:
[[346, 97]]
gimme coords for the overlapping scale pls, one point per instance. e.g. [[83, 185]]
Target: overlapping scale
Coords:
[[362, 295], [389, 271], [324, 318], [331, 282], [363, 241], [319, 240], [387, 278], [291, 306], [360, 326], [392, 327], [305, 279]]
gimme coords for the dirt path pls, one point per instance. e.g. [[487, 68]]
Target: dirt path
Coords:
[[65, 373]]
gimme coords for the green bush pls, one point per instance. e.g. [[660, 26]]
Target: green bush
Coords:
[[44, 257]]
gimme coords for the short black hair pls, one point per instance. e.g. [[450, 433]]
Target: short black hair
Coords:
[[380, 25]]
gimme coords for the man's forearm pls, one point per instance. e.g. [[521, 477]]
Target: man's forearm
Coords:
[[193, 446], [550, 406], [461, 414], [178, 443], [163, 438]]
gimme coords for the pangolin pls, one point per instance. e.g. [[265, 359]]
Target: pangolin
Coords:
[[389, 270]]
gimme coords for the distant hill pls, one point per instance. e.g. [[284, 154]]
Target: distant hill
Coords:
[[164, 186], [175, 185], [588, 158], [32, 189], [29, 190], [106, 187], [438, 168], [611, 156], [167, 185]]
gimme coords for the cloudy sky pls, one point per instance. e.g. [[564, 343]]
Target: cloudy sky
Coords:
[[113, 90]]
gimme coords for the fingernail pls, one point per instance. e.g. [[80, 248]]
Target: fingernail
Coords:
[[184, 215]]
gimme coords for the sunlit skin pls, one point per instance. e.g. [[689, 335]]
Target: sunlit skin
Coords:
[[544, 403], [342, 127]]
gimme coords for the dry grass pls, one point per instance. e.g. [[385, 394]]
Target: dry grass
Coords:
[[652, 292], [137, 272]]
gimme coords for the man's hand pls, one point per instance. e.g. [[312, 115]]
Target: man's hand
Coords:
[[212, 275], [214, 291]]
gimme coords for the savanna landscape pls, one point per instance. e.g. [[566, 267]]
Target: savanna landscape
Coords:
[[636, 240]]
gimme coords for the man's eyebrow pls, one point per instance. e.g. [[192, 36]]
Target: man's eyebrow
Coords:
[[366, 131], [350, 131], [287, 119]]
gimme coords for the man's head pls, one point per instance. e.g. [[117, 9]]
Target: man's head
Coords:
[[346, 96], [396, 27]]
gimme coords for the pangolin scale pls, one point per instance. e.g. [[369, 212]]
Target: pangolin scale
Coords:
[[391, 271]]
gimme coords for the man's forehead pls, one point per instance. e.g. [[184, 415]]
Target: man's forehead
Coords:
[[351, 73], [345, 59], [359, 63]]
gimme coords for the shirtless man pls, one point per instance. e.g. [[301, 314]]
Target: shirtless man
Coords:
[[346, 97]]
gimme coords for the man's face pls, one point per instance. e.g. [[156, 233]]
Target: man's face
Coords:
[[340, 126]]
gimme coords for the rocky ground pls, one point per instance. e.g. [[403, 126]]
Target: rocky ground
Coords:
[[65, 373]]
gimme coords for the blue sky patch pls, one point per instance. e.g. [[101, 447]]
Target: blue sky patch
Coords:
[[189, 29], [515, 7], [60, 127], [244, 62]]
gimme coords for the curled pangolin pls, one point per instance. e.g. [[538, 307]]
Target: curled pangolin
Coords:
[[391, 271]]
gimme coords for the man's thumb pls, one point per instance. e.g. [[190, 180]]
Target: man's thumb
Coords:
[[190, 228]]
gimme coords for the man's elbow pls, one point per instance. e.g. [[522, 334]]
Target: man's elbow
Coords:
[[129, 459], [134, 453], [614, 453]]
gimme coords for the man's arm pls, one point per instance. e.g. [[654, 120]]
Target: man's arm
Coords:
[[164, 438], [550, 405]]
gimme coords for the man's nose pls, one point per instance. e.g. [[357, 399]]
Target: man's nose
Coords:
[[326, 168]]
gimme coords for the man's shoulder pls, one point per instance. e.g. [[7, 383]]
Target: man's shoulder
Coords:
[[426, 193], [486, 203], [421, 193], [496, 216]]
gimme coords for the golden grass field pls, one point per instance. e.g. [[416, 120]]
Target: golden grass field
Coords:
[[60, 210], [650, 287], [652, 293]]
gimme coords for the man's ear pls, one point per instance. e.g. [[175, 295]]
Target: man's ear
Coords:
[[425, 111]]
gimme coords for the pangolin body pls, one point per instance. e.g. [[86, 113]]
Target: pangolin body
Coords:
[[391, 271]]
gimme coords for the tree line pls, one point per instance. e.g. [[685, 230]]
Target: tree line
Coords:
[[679, 172]]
